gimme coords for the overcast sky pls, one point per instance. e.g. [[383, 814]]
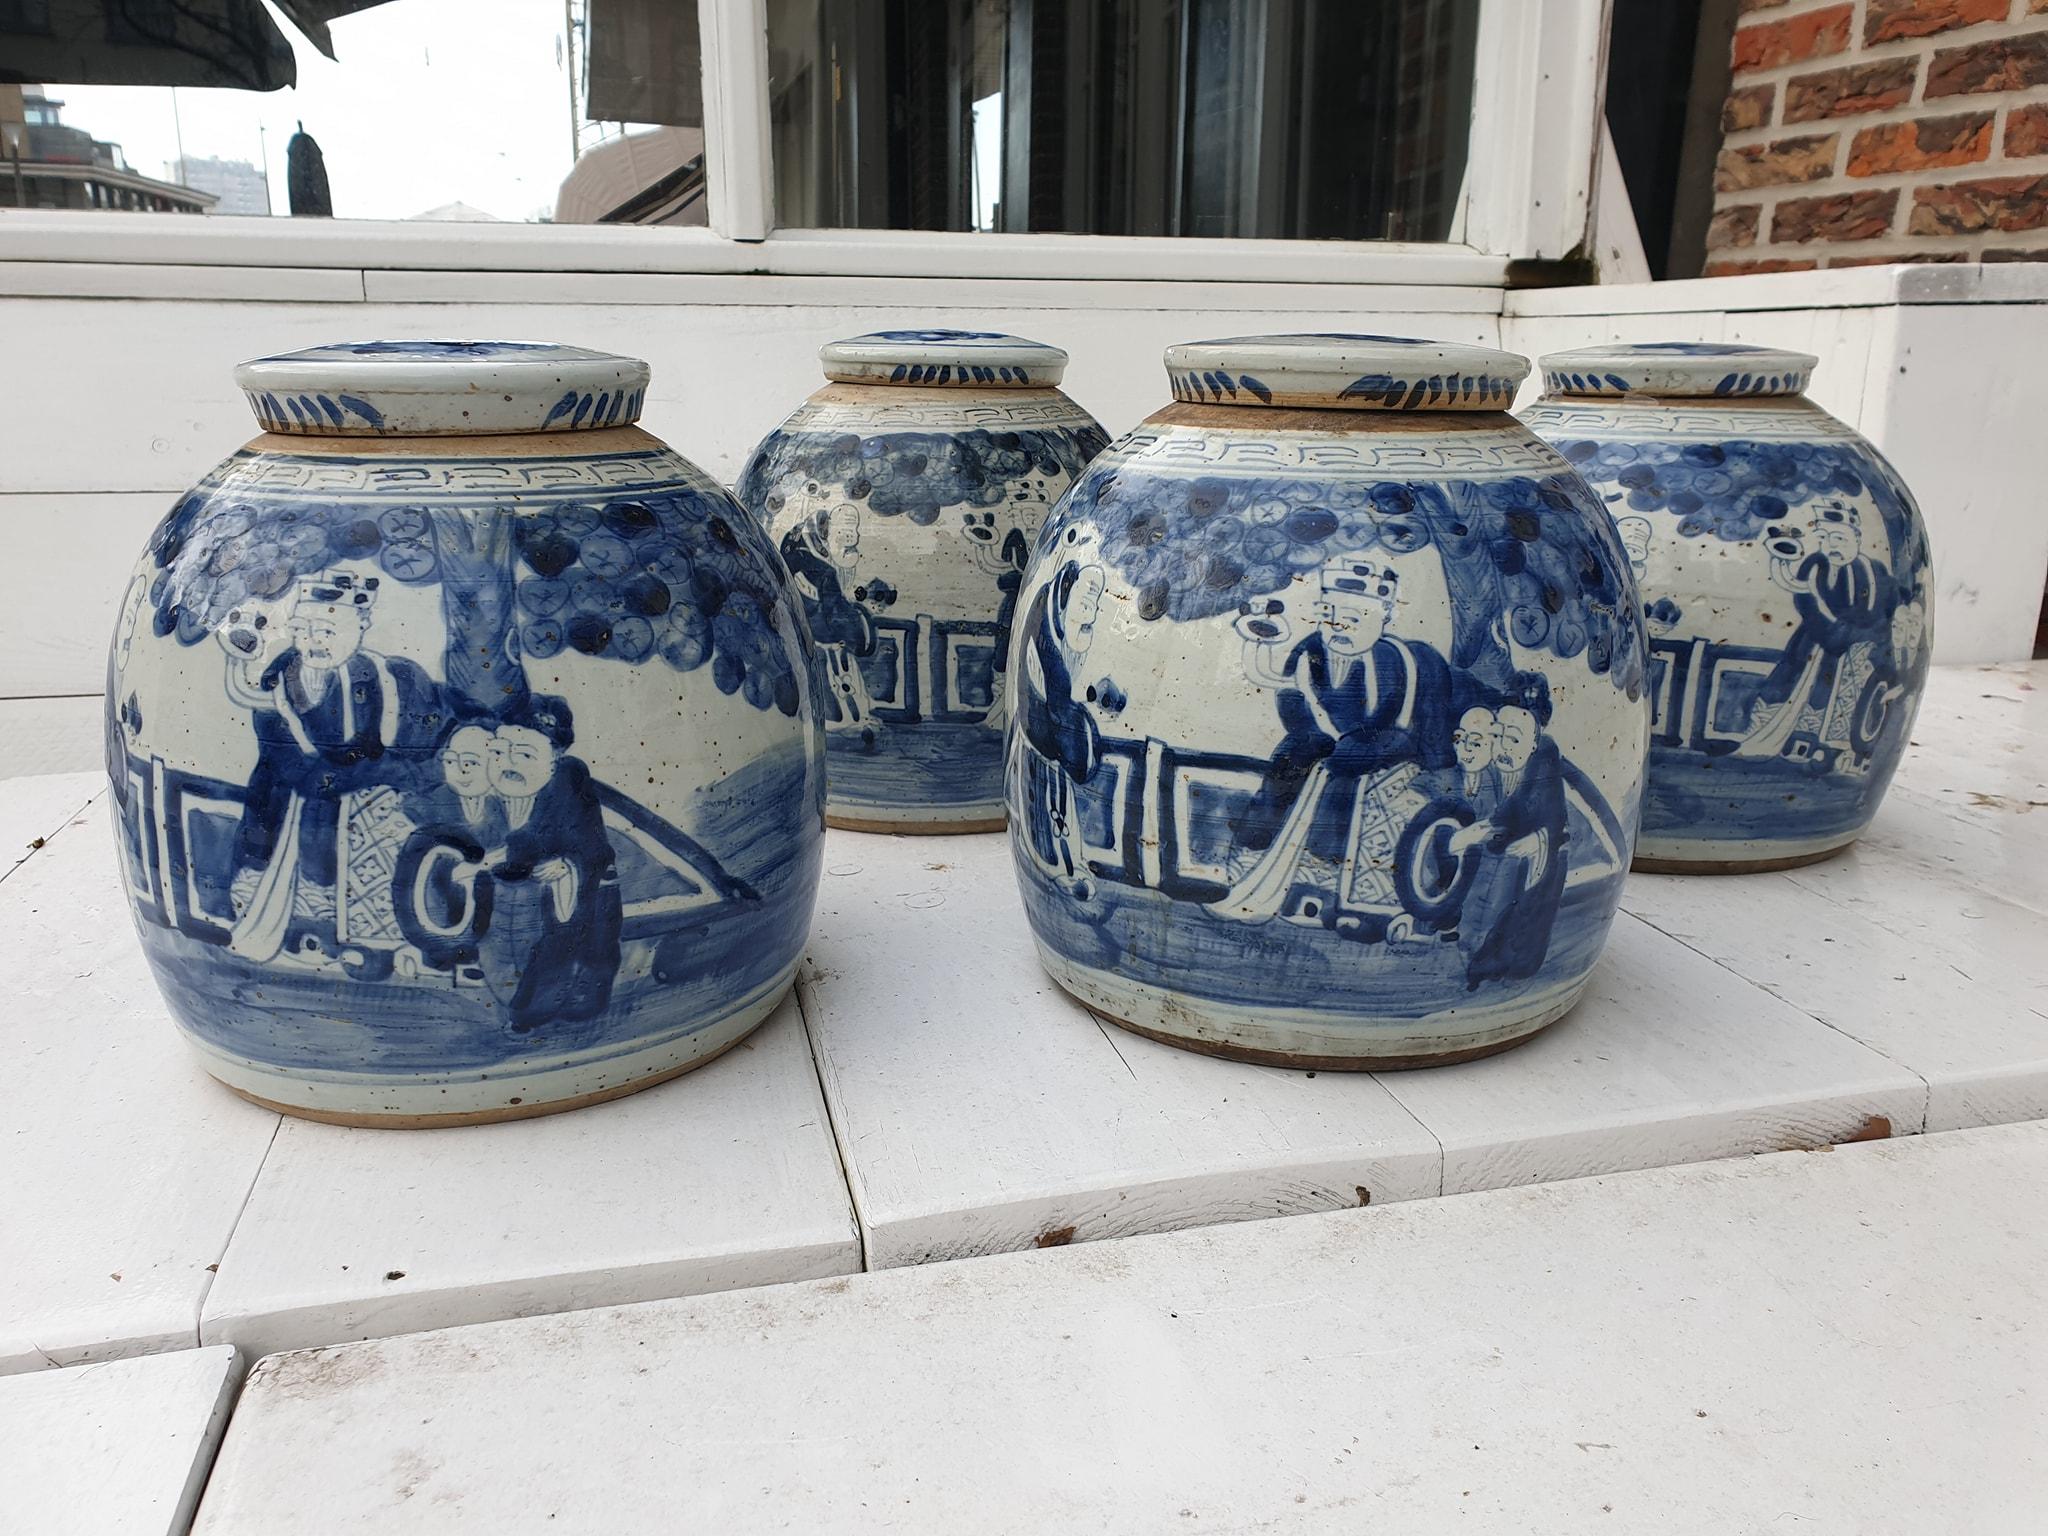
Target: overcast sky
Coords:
[[432, 102]]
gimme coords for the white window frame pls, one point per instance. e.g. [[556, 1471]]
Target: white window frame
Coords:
[[1530, 182]]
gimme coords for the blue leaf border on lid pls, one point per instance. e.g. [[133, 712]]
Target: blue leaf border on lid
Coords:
[[1445, 375], [1685, 369]]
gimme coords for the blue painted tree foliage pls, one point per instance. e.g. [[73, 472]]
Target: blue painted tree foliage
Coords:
[[918, 475], [679, 574], [1525, 555], [1735, 490]]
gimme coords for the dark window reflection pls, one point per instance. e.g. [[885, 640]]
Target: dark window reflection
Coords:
[[1311, 119]]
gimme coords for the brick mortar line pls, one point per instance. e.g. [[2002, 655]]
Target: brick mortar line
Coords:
[[1896, 48], [1905, 112], [2032, 166], [1887, 246]]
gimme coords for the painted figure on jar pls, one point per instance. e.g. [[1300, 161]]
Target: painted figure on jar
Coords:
[[1521, 872], [1003, 556], [463, 801], [822, 552], [1355, 700], [1055, 720], [1842, 598], [324, 710], [551, 947]]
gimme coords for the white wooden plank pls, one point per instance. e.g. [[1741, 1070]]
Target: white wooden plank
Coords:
[[726, 1177], [34, 810], [1828, 289], [981, 1110], [1967, 799], [51, 736], [61, 587], [1978, 744], [118, 280], [1921, 940], [120, 1449], [1975, 851], [902, 253], [920, 297], [1850, 1339], [173, 394], [1962, 436], [1929, 973], [180, 389], [1670, 1059], [125, 1164]]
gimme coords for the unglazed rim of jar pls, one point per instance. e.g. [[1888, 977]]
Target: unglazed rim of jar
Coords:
[[944, 359], [1334, 371], [442, 389], [1684, 370]]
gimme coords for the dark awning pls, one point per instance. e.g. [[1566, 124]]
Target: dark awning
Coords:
[[230, 43]]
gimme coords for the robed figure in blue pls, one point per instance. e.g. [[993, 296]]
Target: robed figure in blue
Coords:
[[1354, 700], [1514, 901], [551, 948], [1839, 596], [326, 712], [821, 557], [1054, 720]]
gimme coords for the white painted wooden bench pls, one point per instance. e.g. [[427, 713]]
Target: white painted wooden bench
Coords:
[[1843, 1340], [975, 1108]]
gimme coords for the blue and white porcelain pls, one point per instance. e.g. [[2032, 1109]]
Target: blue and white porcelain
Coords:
[[905, 496], [464, 743], [1328, 713], [1790, 600]]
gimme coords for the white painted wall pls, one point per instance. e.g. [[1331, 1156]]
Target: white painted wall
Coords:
[[117, 392]]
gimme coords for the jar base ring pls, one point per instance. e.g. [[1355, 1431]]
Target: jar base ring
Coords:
[[1402, 1044], [743, 1022], [1646, 864], [847, 823]]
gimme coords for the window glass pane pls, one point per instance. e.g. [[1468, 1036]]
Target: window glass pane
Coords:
[[1306, 119], [475, 110]]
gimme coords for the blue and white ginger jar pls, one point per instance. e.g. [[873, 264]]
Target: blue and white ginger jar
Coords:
[[464, 743], [1327, 715], [905, 496], [1790, 601]]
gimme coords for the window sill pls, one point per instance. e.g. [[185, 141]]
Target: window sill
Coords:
[[366, 245]]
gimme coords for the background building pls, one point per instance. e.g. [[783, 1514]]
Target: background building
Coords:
[[47, 163], [237, 185]]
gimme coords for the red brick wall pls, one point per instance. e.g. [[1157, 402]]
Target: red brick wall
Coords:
[[1860, 131]]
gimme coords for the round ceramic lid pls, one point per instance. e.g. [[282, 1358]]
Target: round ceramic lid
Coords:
[[442, 388], [956, 359], [1344, 373], [1696, 368]]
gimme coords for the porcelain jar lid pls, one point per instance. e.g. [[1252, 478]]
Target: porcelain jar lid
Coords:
[[442, 389], [1681, 368], [1344, 373], [949, 359]]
